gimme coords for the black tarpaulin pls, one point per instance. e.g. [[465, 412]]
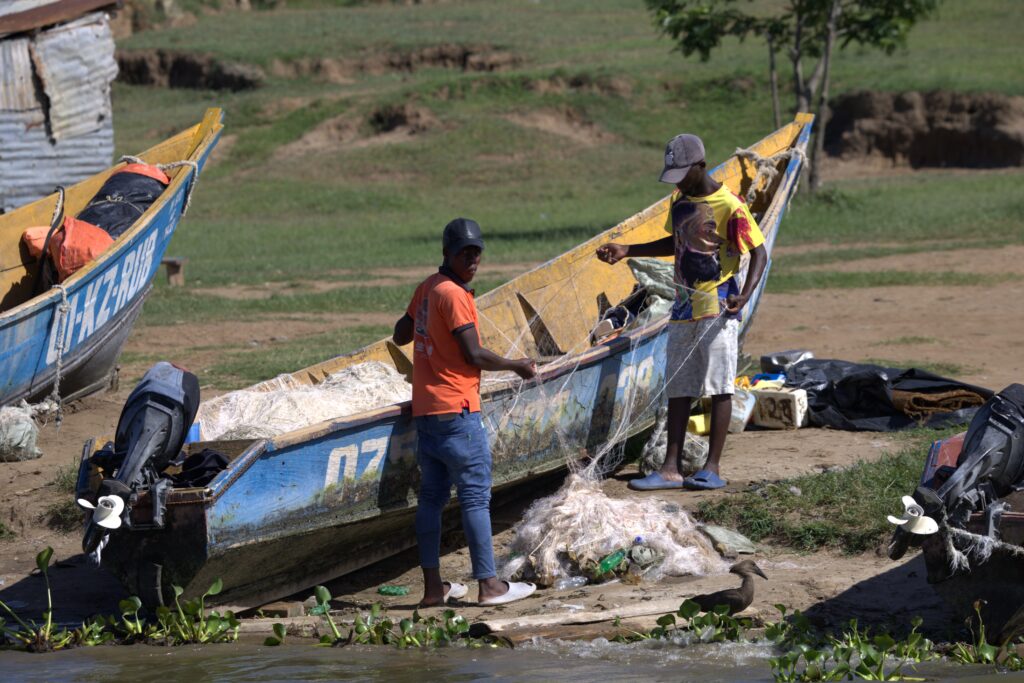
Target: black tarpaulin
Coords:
[[864, 397]]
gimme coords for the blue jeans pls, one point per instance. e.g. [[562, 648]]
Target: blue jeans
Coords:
[[453, 448]]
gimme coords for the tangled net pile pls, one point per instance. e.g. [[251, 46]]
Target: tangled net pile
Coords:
[[569, 533], [284, 404]]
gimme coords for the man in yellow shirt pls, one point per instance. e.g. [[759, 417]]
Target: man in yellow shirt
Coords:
[[710, 229]]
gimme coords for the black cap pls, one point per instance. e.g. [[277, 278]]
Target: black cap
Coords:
[[462, 233]]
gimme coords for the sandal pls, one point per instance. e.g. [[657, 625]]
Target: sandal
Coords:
[[517, 590], [703, 480]]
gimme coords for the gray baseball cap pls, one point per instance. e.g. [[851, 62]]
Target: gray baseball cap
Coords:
[[681, 152], [462, 233]]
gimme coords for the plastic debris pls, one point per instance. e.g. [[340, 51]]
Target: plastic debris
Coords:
[[284, 404], [393, 590], [567, 582], [695, 448], [18, 434], [728, 542], [780, 362], [579, 529]]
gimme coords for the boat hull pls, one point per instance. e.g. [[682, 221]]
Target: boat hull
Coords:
[[310, 505]]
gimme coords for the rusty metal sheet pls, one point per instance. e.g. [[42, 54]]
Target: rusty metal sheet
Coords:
[[76, 65], [18, 6], [31, 165], [20, 16], [17, 93]]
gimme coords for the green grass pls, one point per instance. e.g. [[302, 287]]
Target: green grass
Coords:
[[337, 212], [5, 533], [66, 477], [937, 367], [907, 341], [843, 510], [64, 516], [243, 368]]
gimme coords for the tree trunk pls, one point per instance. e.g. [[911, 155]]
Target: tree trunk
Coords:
[[796, 56], [819, 120], [773, 78]]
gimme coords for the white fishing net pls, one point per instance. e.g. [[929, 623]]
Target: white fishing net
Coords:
[[284, 404], [570, 532]]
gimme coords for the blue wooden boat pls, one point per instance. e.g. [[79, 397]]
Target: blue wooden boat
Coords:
[[307, 506], [101, 301]]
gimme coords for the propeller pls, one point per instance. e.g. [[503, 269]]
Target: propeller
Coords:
[[914, 520]]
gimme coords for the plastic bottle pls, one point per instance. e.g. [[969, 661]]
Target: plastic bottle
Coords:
[[612, 561], [567, 582]]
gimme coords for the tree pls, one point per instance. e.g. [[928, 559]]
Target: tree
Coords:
[[801, 29]]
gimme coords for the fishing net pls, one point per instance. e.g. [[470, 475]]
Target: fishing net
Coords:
[[695, 448], [580, 531], [573, 531], [18, 434], [284, 404]]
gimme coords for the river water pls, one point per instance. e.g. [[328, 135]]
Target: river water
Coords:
[[300, 660]]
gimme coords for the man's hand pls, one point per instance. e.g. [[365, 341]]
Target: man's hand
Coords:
[[612, 253], [734, 303], [525, 368]]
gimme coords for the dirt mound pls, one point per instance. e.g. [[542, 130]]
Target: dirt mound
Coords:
[[170, 69], [938, 128], [386, 124], [583, 82], [479, 58], [566, 122], [323, 69]]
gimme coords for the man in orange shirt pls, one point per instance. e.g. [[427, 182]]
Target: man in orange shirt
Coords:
[[452, 442]]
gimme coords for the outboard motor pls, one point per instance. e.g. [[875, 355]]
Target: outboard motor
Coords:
[[150, 433], [990, 466]]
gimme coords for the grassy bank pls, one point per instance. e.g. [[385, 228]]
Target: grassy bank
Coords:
[[560, 141], [842, 510]]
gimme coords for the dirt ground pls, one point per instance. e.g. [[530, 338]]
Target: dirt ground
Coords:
[[977, 328]]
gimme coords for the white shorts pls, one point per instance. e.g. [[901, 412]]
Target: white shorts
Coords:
[[700, 359]]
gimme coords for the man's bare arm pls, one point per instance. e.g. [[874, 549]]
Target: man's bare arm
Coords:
[[479, 357], [404, 329], [613, 253]]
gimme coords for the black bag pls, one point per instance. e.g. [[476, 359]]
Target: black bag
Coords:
[[122, 199]]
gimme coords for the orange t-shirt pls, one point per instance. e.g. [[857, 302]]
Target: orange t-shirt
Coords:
[[442, 380]]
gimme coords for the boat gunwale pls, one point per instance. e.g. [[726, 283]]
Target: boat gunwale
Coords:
[[585, 359], [125, 241]]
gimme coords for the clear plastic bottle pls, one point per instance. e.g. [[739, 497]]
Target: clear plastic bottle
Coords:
[[567, 582]]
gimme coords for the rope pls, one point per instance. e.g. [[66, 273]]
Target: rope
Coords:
[[974, 546], [170, 166], [767, 167], [63, 311]]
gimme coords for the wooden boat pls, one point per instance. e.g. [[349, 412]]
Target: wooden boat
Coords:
[[995, 580], [307, 506], [103, 298]]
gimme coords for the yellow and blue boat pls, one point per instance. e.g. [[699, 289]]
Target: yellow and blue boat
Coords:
[[313, 504], [74, 334]]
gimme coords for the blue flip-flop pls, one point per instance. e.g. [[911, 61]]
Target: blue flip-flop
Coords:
[[703, 480], [654, 482]]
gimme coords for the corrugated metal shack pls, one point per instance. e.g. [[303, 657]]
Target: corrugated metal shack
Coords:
[[56, 67]]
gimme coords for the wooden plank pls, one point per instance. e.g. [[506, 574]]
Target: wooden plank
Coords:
[[544, 622], [53, 13]]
